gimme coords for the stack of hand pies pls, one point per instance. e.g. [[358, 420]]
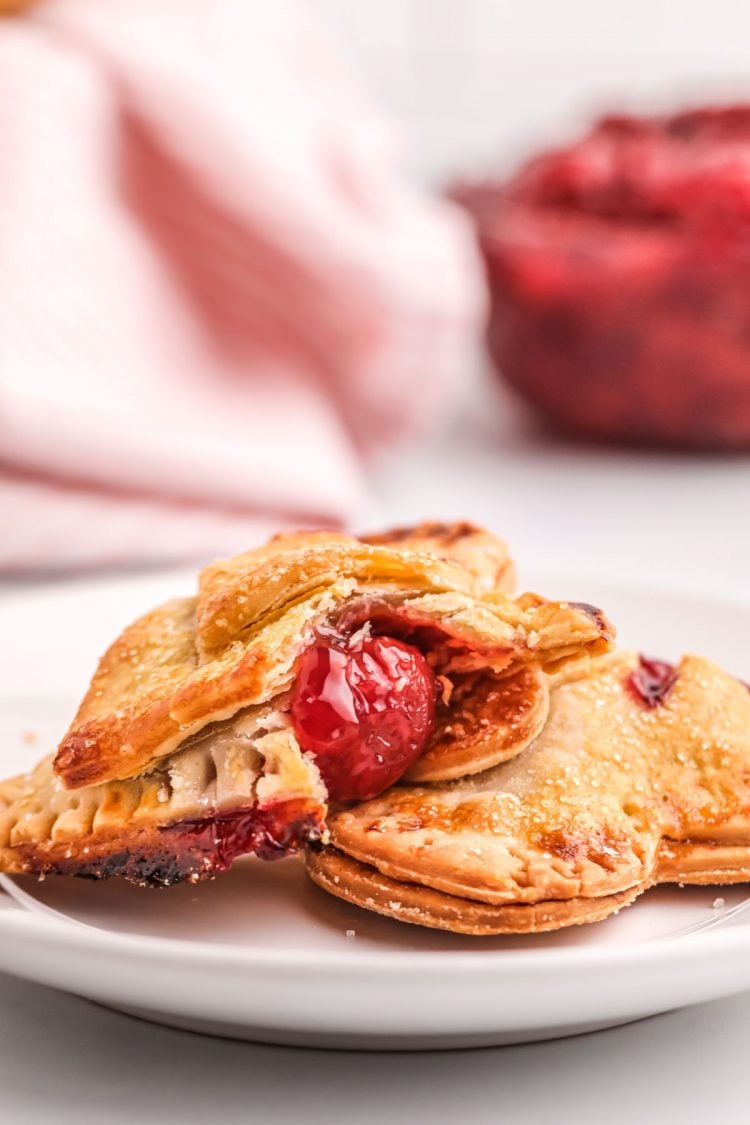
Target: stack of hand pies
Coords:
[[437, 749]]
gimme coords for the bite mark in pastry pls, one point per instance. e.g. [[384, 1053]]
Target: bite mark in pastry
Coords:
[[641, 775], [211, 685]]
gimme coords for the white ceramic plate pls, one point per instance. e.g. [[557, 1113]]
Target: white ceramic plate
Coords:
[[261, 954]]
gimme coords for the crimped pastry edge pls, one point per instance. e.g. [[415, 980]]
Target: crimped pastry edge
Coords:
[[366, 887]]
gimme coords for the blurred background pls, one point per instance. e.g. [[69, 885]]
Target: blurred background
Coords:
[[479, 85], [236, 296]]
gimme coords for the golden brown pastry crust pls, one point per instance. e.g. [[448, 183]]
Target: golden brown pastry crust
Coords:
[[476, 550], [612, 797], [490, 719], [360, 885], [198, 661], [180, 821], [182, 753]]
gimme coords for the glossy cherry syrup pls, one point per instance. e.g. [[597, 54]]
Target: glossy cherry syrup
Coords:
[[365, 711], [652, 681], [271, 833]]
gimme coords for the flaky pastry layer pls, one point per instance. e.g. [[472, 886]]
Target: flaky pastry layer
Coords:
[[244, 787], [491, 718], [356, 883], [613, 796], [183, 746], [197, 661]]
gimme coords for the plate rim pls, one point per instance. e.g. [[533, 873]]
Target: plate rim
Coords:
[[683, 948]]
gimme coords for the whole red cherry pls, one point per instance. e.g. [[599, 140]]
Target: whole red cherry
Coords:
[[365, 712]]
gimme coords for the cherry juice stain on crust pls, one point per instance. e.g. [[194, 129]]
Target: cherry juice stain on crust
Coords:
[[366, 713], [198, 848], [270, 833], [652, 681]]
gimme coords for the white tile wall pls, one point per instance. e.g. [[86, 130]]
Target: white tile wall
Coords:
[[475, 83]]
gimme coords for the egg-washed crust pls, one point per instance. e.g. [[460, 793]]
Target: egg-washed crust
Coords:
[[228, 794], [360, 885], [198, 661], [489, 719], [180, 820], [484, 555], [612, 797]]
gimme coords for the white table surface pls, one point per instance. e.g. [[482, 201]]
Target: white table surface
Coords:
[[670, 522]]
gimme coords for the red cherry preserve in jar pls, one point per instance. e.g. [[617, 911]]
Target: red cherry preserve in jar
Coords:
[[619, 270]]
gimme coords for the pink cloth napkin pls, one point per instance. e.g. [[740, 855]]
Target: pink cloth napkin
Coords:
[[216, 293]]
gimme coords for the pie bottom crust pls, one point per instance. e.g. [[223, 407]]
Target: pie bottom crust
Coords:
[[687, 862], [364, 886], [703, 863], [191, 849]]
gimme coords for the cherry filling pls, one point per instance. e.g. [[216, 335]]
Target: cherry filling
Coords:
[[197, 848], [652, 681], [271, 833], [365, 711]]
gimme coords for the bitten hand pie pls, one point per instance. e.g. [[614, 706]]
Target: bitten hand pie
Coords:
[[641, 775], [317, 667]]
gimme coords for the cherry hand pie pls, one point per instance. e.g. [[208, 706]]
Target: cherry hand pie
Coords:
[[319, 667], [641, 775]]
